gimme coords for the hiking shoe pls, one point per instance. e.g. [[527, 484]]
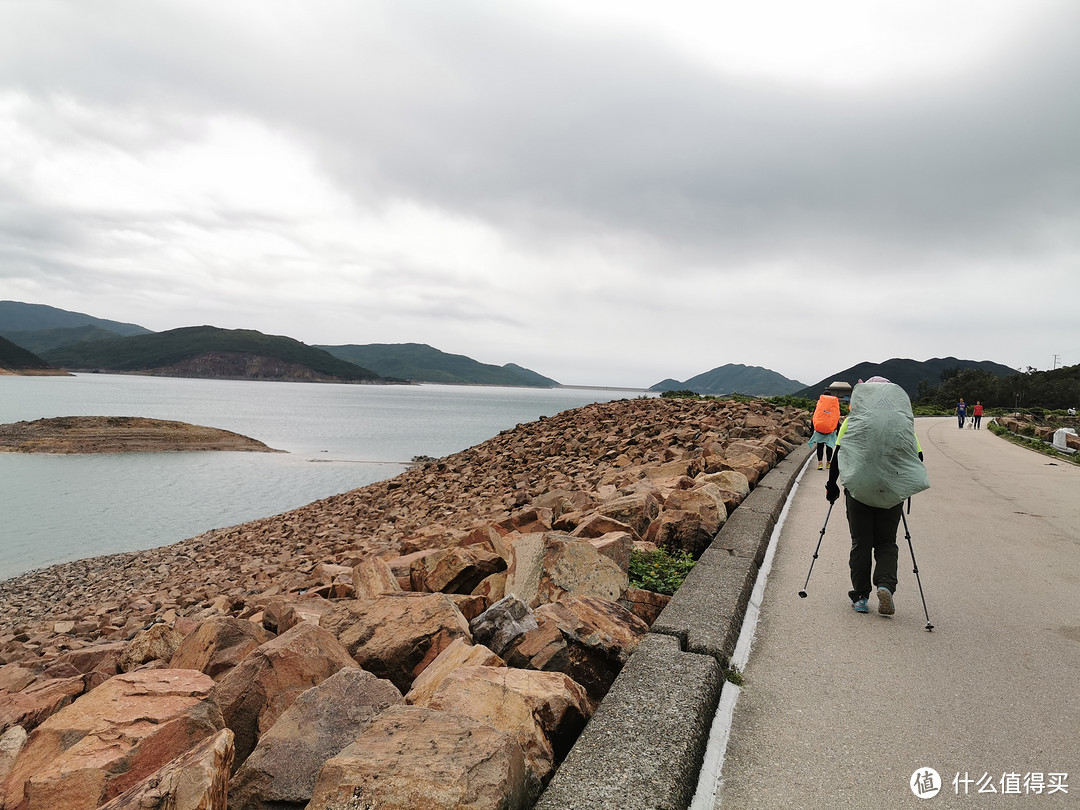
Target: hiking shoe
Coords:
[[828, 464], [819, 466], [885, 604], [861, 606]]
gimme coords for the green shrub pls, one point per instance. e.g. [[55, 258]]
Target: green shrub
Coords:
[[659, 571]]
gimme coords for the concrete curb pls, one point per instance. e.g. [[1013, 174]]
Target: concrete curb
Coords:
[[643, 748]]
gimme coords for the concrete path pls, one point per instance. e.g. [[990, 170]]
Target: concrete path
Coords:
[[840, 709]]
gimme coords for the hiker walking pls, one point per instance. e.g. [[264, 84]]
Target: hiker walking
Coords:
[[879, 462], [976, 413], [961, 412], [826, 420]]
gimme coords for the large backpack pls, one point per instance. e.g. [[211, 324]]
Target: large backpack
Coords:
[[826, 414], [879, 458]]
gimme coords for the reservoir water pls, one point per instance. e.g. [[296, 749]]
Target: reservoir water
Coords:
[[58, 508]]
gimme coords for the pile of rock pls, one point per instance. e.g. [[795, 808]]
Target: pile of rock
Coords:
[[435, 640]]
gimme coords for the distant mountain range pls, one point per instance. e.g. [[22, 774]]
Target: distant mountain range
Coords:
[[37, 337], [734, 378], [418, 361], [905, 373], [40, 336]]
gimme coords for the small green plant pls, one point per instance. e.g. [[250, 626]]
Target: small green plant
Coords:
[[659, 571], [733, 675]]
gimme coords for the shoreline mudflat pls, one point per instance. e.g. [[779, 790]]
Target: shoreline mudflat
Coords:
[[119, 434]]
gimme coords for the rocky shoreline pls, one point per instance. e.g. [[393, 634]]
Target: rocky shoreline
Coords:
[[119, 434], [518, 545]]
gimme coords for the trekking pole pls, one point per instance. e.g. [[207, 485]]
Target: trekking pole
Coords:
[[802, 593], [915, 565]]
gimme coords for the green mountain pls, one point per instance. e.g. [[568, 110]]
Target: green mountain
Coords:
[[734, 378], [17, 316], [206, 351], [906, 373], [15, 358], [419, 362]]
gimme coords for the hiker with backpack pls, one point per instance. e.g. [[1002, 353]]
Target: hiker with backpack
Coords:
[[880, 463], [826, 420]]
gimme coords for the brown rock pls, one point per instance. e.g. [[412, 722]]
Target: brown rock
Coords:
[[372, 576], [34, 704], [196, 780], [413, 757], [600, 636], [637, 511], [322, 721], [111, 738], [281, 615], [459, 654], [155, 643], [545, 567], [456, 570], [616, 546], [646, 605], [12, 742], [218, 645], [255, 693], [397, 636], [545, 711]]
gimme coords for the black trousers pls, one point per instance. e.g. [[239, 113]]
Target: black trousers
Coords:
[[874, 553]]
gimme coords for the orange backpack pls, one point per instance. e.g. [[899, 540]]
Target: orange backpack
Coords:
[[827, 414]]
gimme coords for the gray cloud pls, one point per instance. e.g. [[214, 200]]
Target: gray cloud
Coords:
[[563, 142]]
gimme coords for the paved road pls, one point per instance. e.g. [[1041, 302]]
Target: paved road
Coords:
[[839, 709]]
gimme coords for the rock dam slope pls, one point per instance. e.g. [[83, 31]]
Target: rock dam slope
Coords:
[[480, 601], [118, 434]]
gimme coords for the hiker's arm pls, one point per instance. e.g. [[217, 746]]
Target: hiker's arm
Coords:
[[832, 488]]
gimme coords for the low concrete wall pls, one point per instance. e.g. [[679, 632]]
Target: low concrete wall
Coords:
[[643, 748]]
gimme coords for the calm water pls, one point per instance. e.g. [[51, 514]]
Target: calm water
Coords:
[[337, 437]]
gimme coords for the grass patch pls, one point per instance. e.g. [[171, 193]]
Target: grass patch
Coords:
[[659, 571], [733, 675]]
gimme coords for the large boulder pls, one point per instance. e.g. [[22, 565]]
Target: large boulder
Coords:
[[37, 702], [111, 738], [600, 635], [258, 690], [323, 720], [455, 570], [372, 576], [545, 711], [637, 510], [396, 636], [412, 757], [197, 780], [459, 654], [218, 644], [157, 642], [546, 566], [502, 623]]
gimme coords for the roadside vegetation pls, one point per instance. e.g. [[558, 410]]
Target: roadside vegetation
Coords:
[[659, 571]]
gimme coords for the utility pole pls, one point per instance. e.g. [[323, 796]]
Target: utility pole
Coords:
[[1056, 358]]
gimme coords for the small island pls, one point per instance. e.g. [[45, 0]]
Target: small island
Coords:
[[119, 434]]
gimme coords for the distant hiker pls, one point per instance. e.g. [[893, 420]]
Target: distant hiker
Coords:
[[976, 413], [961, 412], [826, 420], [879, 462]]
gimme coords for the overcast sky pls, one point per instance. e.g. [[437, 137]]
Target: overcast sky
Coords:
[[608, 193]]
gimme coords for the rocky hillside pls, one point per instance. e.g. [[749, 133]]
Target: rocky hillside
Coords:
[[437, 640]]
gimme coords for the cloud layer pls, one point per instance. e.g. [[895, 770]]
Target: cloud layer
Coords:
[[603, 196]]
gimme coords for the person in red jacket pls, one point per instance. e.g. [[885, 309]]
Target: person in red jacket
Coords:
[[976, 413]]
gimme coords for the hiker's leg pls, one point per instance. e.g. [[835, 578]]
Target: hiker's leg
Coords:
[[860, 560], [886, 552]]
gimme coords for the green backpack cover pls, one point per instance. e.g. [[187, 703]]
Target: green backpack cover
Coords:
[[880, 463]]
